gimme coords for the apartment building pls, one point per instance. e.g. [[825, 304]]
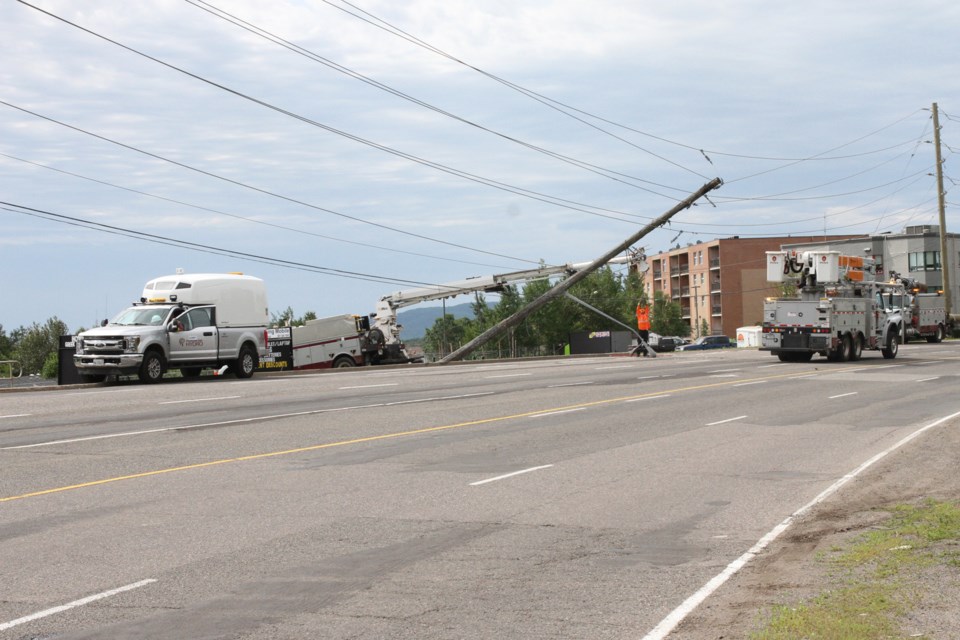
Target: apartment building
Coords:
[[722, 281]]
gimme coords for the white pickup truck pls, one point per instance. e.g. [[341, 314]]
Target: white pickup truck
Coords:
[[188, 322]]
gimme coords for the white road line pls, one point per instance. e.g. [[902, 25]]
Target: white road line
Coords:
[[509, 375], [555, 413], [744, 384], [726, 375], [200, 400], [570, 384], [778, 364], [920, 380], [616, 366], [510, 475], [76, 603], [664, 395], [843, 395], [244, 420], [16, 415], [371, 386], [723, 370], [711, 424], [677, 616]]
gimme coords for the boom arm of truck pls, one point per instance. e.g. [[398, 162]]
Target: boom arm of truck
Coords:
[[385, 319]]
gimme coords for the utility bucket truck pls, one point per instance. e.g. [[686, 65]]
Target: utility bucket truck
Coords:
[[840, 309], [347, 341], [925, 313]]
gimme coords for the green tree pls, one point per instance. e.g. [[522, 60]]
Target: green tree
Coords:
[[666, 317], [447, 334], [286, 318], [6, 345], [704, 327], [37, 343]]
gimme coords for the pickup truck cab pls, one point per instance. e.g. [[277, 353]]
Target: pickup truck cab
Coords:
[[185, 322]]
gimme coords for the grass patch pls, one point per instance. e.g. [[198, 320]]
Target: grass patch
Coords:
[[876, 574]]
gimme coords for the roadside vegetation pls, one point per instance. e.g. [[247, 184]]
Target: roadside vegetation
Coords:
[[34, 349], [547, 331], [880, 579]]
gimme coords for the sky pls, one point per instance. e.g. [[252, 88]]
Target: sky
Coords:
[[343, 151]]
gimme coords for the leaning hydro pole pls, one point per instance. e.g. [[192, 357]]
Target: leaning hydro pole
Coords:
[[561, 287]]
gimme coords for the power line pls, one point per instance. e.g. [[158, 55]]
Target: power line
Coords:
[[384, 25], [267, 35], [568, 204], [202, 248], [245, 219], [258, 189]]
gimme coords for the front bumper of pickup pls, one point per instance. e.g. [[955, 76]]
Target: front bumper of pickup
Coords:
[[107, 364]]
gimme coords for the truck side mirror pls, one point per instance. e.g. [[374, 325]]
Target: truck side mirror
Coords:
[[172, 327]]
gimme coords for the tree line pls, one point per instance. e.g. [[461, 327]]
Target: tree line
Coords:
[[34, 349], [546, 332]]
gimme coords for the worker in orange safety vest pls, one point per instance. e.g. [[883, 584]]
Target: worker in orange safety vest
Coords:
[[643, 321]]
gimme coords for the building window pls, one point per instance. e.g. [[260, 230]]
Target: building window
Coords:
[[924, 261]]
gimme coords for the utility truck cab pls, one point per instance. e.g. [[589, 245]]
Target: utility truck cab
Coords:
[[188, 322]]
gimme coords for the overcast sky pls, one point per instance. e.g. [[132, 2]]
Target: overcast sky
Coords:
[[380, 145]]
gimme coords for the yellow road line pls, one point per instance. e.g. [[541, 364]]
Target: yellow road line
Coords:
[[388, 436]]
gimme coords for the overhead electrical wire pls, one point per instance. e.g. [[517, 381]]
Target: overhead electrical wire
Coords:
[[204, 248], [258, 189], [396, 31], [384, 25], [516, 190], [246, 219], [568, 204], [267, 35]]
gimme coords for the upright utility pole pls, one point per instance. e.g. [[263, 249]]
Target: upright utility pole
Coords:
[[944, 256], [561, 287]]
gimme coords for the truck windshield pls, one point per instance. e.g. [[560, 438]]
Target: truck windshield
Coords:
[[140, 317]]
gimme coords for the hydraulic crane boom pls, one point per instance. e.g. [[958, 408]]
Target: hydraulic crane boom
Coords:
[[385, 319]]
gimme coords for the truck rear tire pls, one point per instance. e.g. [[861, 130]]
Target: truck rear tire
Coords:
[[152, 367], [344, 362], [857, 350], [938, 336], [247, 362]]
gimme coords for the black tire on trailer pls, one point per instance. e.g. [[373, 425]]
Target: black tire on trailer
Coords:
[[247, 362], [152, 367]]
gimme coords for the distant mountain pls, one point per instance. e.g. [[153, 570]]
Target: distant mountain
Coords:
[[416, 321]]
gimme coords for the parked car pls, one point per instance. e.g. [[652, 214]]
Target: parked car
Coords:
[[709, 342], [661, 344]]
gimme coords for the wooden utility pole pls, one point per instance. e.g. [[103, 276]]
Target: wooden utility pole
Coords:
[[944, 256], [561, 287]]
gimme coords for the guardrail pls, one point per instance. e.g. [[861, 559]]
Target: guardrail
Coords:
[[7, 367]]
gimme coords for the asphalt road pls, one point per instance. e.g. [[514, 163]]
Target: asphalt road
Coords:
[[577, 498]]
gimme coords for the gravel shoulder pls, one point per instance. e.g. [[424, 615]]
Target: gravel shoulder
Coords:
[[789, 571]]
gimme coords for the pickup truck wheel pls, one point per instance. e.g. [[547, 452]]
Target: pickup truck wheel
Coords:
[[343, 362], [892, 346], [246, 363], [938, 336], [151, 369]]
